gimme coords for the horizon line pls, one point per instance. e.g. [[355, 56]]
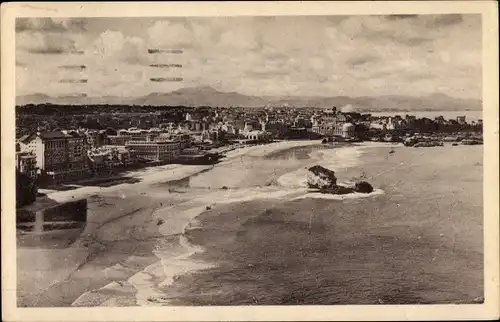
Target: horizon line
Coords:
[[263, 96]]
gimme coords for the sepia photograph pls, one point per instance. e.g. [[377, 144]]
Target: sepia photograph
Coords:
[[286, 160]]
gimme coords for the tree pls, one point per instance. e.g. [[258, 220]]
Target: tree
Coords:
[[26, 190]]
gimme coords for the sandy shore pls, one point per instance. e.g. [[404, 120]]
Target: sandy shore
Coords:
[[122, 232], [147, 244]]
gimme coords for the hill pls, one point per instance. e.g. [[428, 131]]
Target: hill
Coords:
[[208, 96]]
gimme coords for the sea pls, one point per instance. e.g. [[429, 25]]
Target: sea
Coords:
[[256, 236], [248, 232], [469, 115]]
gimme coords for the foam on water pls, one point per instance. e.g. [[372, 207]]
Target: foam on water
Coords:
[[341, 158], [175, 260], [182, 263], [333, 159], [295, 179], [167, 268]]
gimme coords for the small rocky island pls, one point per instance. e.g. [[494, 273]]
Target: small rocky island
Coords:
[[325, 181]]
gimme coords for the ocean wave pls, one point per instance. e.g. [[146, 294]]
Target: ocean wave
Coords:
[[175, 258], [149, 281], [341, 158], [333, 159], [149, 292], [295, 179]]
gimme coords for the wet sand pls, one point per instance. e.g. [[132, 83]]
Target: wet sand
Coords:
[[148, 245], [126, 224], [120, 231]]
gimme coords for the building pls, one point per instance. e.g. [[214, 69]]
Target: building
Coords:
[[461, 120], [160, 150], [77, 154], [198, 125], [184, 139], [395, 123], [276, 128], [60, 156], [117, 140], [26, 163], [326, 129], [133, 134], [109, 156], [440, 119], [348, 130], [329, 123], [255, 135], [27, 143], [95, 138]]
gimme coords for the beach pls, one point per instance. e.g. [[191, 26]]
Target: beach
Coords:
[[246, 231]]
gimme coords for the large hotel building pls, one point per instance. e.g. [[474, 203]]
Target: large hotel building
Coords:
[[159, 150], [61, 156]]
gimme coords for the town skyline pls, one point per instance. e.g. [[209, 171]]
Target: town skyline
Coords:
[[322, 56]]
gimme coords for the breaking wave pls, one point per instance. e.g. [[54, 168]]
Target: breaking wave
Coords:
[[175, 258]]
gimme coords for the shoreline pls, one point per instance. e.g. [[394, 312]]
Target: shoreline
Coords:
[[180, 215], [151, 280], [150, 177], [173, 172]]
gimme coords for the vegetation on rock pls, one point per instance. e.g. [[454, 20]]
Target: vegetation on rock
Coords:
[[325, 181]]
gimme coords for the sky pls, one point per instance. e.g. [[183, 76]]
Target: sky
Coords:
[[416, 55]]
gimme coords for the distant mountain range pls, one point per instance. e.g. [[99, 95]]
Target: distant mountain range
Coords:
[[207, 96]]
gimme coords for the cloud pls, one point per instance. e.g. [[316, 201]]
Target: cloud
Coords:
[[51, 24], [113, 45], [375, 29], [46, 43], [327, 56], [397, 17], [170, 35], [444, 20]]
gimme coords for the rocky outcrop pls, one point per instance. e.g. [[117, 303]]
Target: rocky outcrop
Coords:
[[321, 178], [325, 181], [363, 187]]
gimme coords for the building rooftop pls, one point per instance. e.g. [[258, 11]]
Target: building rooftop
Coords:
[[53, 135], [150, 142], [26, 137]]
